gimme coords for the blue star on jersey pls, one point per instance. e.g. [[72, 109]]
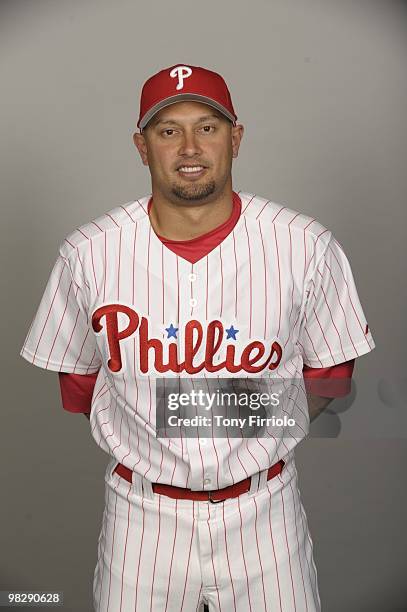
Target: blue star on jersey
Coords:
[[171, 331], [231, 333]]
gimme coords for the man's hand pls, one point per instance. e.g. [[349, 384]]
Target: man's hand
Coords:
[[87, 415], [317, 404]]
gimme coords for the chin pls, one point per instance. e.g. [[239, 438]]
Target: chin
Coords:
[[193, 192]]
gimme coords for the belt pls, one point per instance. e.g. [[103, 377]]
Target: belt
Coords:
[[214, 496]]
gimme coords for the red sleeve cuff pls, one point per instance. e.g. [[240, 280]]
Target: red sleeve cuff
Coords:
[[77, 391], [329, 382]]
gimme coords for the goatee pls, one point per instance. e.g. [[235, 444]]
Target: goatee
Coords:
[[193, 192]]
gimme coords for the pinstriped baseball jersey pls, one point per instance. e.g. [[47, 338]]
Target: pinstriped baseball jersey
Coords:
[[276, 293]]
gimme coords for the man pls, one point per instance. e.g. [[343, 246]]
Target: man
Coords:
[[200, 286]]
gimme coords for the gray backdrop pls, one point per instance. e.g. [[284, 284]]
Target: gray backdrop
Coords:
[[321, 88]]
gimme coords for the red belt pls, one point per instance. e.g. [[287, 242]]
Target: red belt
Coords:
[[214, 496]]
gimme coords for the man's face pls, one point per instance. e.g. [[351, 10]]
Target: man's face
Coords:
[[188, 148]]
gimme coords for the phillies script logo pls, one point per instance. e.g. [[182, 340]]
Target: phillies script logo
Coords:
[[253, 357]]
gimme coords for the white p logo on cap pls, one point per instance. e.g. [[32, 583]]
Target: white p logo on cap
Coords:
[[180, 72]]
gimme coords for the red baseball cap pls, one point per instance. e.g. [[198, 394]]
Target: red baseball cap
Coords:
[[183, 82]]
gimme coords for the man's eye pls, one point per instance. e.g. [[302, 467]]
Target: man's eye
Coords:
[[168, 132], [208, 128]]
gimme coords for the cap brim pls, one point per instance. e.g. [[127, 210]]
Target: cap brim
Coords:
[[182, 98]]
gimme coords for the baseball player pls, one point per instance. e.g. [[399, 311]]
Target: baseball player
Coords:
[[199, 284]]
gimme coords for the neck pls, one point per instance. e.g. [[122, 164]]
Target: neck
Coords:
[[187, 220]]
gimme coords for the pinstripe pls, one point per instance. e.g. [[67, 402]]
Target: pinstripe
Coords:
[[236, 274], [60, 323], [76, 250], [92, 258], [213, 555], [227, 558], [299, 547], [192, 291], [244, 209], [136, 406], [112, 553], [279, 280], [250, 277], [258, 554], [271, 507], [315, 249], [133, 276], [155, 555], [70, 338], [98, 227], [291, 275], [228, 456], [342, 308], [265, 282], [221, 281], [313, 346], [280, 210], [178, 300], [172, 556], [118, 266], [350, 297], [121, 422], [140, 554], [333, 322], [93, 362], [111, 217], [243, 555], [288, 548], [81, 349], [323, 333], [198, 606], [98, 584], [104, 422], [261, 210], [148, 271], [49, 309], [126, 212], [187, 568], [162, 284], [150, 405], [128, 431], [93, 266]]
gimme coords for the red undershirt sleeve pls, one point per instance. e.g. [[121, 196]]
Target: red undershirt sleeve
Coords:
[[334, 381], [77, 391]]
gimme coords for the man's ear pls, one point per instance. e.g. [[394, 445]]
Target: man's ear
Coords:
[[141, 146], [237, 135]]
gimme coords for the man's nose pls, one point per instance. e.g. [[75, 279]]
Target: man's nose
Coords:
[[189, 144]]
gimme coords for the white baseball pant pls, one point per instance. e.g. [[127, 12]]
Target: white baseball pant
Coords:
[[252, 553]]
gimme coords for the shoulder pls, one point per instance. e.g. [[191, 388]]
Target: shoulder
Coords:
[[285, 220], [110, 222]]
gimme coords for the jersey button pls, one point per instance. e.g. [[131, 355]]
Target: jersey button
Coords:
[[203, 441], [193, 302], [207, 481], [192, 277]]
